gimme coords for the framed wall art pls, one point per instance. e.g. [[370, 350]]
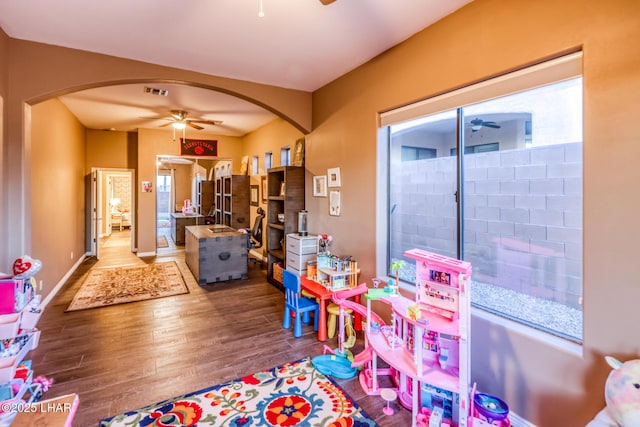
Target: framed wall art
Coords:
[[334, 203], [263, 184], [333, 175], [320, 186], [254, 192]]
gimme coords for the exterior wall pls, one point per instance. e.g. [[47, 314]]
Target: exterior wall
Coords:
[[541, 381], [509, 196]]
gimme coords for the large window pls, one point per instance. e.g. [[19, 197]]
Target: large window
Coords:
[[511, 203]]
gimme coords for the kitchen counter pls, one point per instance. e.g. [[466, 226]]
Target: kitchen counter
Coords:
[[179, 221]]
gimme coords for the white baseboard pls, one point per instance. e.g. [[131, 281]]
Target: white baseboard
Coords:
[[62, 281], [518, 421]]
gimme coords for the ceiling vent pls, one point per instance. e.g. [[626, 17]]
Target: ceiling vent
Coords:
[[154, 91]]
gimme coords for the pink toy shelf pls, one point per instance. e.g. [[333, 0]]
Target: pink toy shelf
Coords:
[[426, 345]]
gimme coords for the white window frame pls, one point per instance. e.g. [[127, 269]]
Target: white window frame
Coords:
[[268, 160], [255, 165], [285, 156], [552, 71]]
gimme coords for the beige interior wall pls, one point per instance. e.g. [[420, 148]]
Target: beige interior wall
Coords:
[[271, 137], [106, 149], [182, 183], [57, 190], [152, 143], [548, 385]]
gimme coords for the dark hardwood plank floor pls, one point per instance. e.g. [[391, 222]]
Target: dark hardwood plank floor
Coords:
[[127, 356]]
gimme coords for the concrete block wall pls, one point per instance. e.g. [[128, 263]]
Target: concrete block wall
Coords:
[[522, 217]]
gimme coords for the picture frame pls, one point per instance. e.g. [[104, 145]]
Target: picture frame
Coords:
[[320, 186], [333, 177], [334, 203], [254, 191], [147, 186], [263, 184]]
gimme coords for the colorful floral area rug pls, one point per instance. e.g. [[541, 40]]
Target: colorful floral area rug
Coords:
[[117, 285], [294, 394]]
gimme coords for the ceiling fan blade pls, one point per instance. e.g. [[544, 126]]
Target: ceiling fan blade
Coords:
[[491, 125], [326, 2], [179, 114], [166, 124], [191, 124], [207, 122]]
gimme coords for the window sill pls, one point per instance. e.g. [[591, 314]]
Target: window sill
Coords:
[[545, 338]]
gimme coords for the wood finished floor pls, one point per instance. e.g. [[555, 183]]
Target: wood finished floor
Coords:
[[127, 356]]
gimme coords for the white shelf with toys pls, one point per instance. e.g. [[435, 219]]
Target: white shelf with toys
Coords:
[[20, 310]]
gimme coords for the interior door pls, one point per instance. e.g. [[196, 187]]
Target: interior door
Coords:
[[96, 217]]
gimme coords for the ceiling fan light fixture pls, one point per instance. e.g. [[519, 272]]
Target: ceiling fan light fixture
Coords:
[[179, 125]]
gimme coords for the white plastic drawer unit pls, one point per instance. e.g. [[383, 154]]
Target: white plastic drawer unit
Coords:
[[302, 245], [299, 262]]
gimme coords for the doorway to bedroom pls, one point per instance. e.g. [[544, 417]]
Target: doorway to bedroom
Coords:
[[117, 207]]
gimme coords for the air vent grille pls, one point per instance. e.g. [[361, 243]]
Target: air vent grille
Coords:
[[155, 91]]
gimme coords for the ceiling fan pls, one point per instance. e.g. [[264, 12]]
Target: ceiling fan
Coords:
[[179, 120], [477, 124]]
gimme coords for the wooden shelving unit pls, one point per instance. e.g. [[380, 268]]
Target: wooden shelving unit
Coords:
[[217, 213], [204, 197], [289, 204], [232, 201]]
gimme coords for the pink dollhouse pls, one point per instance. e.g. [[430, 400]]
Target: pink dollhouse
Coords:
[[426, 345]]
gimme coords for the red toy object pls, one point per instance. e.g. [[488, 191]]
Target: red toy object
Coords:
[[25, 267]]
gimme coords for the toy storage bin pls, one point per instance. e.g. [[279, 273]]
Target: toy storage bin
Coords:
[[30, 319], [9, 364], [277, 271], [9, 325]]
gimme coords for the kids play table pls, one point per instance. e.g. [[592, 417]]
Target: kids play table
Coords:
[[323, 294]]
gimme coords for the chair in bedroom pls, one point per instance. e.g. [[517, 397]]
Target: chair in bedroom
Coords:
[[255, 236], [297, 305]]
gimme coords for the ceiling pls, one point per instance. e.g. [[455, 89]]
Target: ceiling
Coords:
[[297, 44]]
